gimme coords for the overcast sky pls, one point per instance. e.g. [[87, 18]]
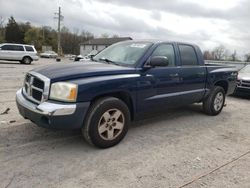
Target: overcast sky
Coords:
[[207, 23]]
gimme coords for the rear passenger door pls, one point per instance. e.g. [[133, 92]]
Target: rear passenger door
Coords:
[[18, 52], [192, 74]]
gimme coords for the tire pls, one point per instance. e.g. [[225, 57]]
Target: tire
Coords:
[[106, 123], [214, 103], [26, 60]]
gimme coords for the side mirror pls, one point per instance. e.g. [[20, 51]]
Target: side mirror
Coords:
[[159, 61]]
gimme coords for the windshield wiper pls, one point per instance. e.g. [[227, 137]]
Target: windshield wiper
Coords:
[[108, 61]]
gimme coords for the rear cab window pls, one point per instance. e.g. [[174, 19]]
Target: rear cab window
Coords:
[[188, 55]]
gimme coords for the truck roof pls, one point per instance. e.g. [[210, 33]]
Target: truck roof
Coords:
[[156, 41]]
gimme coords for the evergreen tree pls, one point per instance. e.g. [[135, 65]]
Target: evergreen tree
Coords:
[[12, 32]]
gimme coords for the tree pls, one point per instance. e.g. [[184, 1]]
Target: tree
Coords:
[[2, 30], [234, 56], [104, 35], [13, 32], [247, 57], [34, 36], [70, 41], [42, 36], [219, 52], [207, 55], [49, 37], [24, 27]]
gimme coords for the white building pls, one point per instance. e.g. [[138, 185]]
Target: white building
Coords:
[[99, 44]]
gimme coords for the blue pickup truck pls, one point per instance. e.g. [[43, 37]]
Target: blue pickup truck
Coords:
[[124, 82]]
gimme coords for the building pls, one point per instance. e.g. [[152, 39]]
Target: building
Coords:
[[98, 44]]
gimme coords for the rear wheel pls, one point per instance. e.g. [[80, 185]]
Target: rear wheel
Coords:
[[27, 60], [107, 122], [214, 103]]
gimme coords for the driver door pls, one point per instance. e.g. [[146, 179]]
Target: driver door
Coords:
[[158, 85]]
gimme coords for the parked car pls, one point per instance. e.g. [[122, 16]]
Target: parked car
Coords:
[[82, 58], [70, 56], [78, 58], [23, 53], [125, 82], [49, 54], [86, 57], [243, 81]]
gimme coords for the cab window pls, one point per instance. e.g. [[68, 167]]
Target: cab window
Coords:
[[188, 55], [166, 50]]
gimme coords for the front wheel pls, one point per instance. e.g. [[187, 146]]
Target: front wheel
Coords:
[[214, 103], [107, 122]]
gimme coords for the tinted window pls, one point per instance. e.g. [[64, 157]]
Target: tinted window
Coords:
[[188, 55], [29, 49], [17, 48], [13, 47], [7, 47], [166, 50]]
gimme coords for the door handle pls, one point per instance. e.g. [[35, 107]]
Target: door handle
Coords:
[[201, 73]]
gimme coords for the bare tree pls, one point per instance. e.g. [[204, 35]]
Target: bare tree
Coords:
[[234, 56], [2, 29], [207, 55], [1, 21], [247, 57], [104, 35], [219, 52]]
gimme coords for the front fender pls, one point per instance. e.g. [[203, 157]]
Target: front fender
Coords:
[[92, 87]]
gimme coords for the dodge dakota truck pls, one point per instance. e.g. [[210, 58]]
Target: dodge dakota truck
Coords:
[[124, 82]]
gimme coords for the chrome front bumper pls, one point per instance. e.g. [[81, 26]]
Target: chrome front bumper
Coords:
[[45, 108], [52, 114]]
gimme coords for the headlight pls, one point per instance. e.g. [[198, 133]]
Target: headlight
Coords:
[[63, 91]]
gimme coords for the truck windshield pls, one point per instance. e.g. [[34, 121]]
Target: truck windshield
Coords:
[[123, 53]]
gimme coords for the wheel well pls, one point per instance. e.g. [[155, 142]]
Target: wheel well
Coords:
[[28, 57], [125, 97], [222, 84]]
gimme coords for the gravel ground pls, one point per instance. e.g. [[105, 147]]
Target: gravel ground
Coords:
[[178, 148]]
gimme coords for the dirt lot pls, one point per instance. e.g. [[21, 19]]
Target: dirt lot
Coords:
[[179, 148]]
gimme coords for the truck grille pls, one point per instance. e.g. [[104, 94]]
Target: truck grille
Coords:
[[34, 88], [243, 83]]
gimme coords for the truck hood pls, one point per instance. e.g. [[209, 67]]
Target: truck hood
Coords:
[[69, 71]]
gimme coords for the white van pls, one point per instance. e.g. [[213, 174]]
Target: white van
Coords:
[[23, 53]]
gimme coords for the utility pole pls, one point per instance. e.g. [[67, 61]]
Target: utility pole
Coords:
[[59, 17]]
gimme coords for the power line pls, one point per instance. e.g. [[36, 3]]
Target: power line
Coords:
[[59, 17]]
